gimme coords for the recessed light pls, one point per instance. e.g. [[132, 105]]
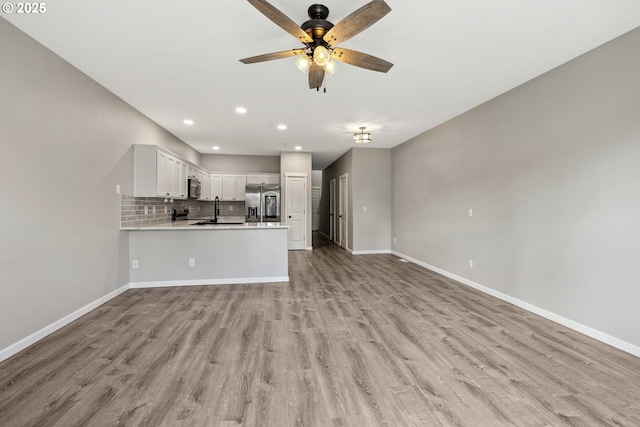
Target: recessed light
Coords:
[[215, 147], [282, 127], [241, 110], [187, 121], [297, 147]]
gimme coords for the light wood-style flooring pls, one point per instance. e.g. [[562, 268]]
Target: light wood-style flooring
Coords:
[[350, 341]]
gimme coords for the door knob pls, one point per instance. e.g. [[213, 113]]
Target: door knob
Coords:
[[289, 216]]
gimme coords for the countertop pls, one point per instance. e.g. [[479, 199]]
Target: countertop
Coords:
[[189, 225]]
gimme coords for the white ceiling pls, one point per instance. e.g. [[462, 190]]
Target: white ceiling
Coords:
[[173, 60]]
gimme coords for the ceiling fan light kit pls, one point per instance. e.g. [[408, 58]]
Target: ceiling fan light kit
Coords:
[[321, 55], [362, 137], [321, 37], [331, 67], [303, 63]]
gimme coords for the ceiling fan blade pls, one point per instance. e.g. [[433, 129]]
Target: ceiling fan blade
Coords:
[[281, 20], [362, 60], [272, 56], [357, 22], [316, 76]]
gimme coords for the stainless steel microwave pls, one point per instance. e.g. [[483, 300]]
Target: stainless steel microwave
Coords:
[[195, 188]]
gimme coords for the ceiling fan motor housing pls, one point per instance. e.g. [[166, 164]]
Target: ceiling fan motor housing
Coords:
[[318, 11], [318, 25]]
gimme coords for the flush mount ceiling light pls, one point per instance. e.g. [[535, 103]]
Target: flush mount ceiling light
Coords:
[[297, 147], [215, 148], [282, 127], [187, 122], [362, 137], [320, 38], [241, 110]]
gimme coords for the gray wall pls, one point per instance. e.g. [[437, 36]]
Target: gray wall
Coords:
[[316, 178], [236, 163], [551, 170], [371, 190], [66, 143]]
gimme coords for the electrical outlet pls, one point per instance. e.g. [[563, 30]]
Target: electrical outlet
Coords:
[[470, 212], [134, 263], [470, 263], [117, 188], [154, 210], [394, 241], [146, 210], [165, 210], [192, 262], [364, 209]]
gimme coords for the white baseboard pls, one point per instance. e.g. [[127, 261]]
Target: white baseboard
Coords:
[[372, 252], [201, 282], [308, 248], [578, 327], [47, 330]]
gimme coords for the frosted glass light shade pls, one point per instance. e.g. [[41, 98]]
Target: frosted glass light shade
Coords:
[[331, 67], [321, 55], [303, 63]]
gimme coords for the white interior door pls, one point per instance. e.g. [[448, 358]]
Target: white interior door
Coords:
[[343, 212], [296, 191], [315, 208], [332, 210]]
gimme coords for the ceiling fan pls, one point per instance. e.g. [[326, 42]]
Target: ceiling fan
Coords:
[[320, 38]]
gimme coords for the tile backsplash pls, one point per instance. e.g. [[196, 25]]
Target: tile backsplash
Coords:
[[137, 211]]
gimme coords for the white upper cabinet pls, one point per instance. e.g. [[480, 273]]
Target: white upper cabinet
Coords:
[[263, 179], [216, 186], [205, 193], [241, 186], [158, 173], [205, 181], [233, 187]]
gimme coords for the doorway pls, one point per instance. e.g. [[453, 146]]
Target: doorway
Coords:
[[332, 210], [296, 214], [316, 193], [343, 212]]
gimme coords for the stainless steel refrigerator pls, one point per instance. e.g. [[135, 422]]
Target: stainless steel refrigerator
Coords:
[[262, 203]]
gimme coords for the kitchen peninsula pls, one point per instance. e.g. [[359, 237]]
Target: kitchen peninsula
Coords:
[[180, 253]]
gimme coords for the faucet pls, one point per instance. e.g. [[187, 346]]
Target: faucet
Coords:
[[216, 210]]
